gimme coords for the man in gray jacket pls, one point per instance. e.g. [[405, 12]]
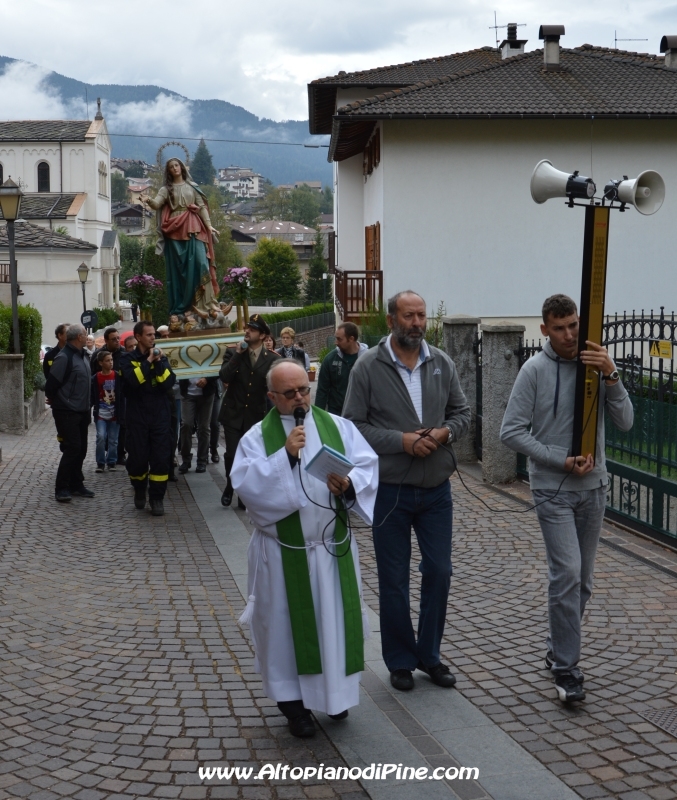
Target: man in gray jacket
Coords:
[[68, 389], [406, 400], [569, 491]]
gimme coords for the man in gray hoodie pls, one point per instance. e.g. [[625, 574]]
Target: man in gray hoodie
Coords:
[[405, 398], [569, 491]]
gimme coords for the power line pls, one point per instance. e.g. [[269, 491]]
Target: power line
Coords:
[[206, 139]]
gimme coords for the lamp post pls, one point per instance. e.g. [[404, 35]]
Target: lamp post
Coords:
[[324, 287], [83, 272], [10, 204]]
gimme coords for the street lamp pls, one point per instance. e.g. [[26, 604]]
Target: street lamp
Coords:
[[10, 203], [324, 287], [83, 272]]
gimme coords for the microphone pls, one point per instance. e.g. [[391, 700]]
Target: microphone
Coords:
[[299, 415]]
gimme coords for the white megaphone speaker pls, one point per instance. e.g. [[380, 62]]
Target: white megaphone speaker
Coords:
[[646, 192], [548, 182]]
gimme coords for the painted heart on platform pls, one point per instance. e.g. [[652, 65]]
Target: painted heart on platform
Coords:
[[199, 354]]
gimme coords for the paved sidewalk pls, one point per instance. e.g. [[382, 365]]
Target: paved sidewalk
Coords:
[[122, 668]]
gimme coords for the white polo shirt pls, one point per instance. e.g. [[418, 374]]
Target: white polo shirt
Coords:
[[411, 378]]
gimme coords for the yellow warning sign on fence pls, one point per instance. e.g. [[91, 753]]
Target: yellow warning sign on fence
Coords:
[[661, 348]]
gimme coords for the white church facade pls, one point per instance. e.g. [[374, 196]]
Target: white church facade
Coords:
[[63, 168]]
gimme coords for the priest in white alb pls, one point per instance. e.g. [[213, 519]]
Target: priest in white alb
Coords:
[[305, 607]]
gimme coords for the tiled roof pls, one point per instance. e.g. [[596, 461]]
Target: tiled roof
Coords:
[[60, 130], [33, 237], [591, 81], [45, 206], [322, 92], [109, 238]]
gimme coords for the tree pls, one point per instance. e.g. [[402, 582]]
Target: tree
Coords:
[[327, 201], [131, 256], [305, 206], [118, 188], [155, 266], [317, 289], [300, 205], [275, 272], [201, 167], [134, 171]]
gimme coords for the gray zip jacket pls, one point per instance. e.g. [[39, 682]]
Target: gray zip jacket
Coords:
[[543, 397], [379, 404]]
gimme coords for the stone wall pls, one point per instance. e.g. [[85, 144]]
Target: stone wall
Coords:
[[34, 408], [12, 419], [315, 340]]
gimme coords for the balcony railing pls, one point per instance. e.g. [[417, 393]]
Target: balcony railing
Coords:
[[358, 293]]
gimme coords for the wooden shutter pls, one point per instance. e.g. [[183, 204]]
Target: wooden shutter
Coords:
[[377, 246], [331, 250]]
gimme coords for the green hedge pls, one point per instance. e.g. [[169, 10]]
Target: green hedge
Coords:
[[30, 338], [106, 316], [308, 311]]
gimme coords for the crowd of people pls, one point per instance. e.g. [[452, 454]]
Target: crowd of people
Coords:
[[378, 443]]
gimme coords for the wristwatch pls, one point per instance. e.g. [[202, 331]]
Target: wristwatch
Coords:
[[612, 376], [451, 434]]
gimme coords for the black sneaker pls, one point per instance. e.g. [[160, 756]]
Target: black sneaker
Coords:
[[83, 491], [302, 727], [111, 467], [569, 688], [99, 468], [215, 457], [156, 507], [140, 498], [402, 679], [440, 674], [62, 496], [185, 467], [200, 468]]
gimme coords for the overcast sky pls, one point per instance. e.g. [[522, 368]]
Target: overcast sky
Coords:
[[261, 54]]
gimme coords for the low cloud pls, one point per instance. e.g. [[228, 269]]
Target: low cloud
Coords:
[[26, 94], [165, 113]]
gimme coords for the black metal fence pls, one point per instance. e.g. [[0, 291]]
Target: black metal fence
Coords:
[[303, 324]]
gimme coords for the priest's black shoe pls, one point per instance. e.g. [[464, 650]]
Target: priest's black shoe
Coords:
[[241, 505], [140, 498], [227, 496], [402, 679], [342, 715], [440, 674], [302, 726], [157, 509]]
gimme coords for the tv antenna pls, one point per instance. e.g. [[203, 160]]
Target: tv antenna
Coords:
[[496, 27], [617, 40]]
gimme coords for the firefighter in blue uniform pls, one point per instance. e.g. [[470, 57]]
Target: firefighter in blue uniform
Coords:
[[147, 379]]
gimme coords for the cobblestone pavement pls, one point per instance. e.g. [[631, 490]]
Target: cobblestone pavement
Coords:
[[497, 622], [121, 663]]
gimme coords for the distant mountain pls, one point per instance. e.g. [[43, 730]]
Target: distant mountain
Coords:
[[170, 116]]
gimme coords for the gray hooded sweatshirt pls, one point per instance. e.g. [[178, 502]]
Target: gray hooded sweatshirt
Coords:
[[543, 397]]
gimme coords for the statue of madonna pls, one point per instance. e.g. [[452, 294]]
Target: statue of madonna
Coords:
[[186, 240]]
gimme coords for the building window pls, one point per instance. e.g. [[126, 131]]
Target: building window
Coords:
[[103, 179], [371, 157], [43, 176], [372, 246]]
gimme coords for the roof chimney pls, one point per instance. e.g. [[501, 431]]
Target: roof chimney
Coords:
[[550, 35], [98, 114], [512, 46], [669, 47]]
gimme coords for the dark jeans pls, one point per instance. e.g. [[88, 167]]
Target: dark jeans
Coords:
[[214, 426], [429, 512], [71, 427], [196, 409]]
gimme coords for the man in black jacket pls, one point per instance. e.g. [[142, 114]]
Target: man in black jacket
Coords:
[[245, 402], [197, 398], [147, 378], [68, 391]]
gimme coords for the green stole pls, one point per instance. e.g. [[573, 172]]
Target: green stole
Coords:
[[295, 563]]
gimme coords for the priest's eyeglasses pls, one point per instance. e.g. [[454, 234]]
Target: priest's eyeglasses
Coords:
[[290, 394]]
